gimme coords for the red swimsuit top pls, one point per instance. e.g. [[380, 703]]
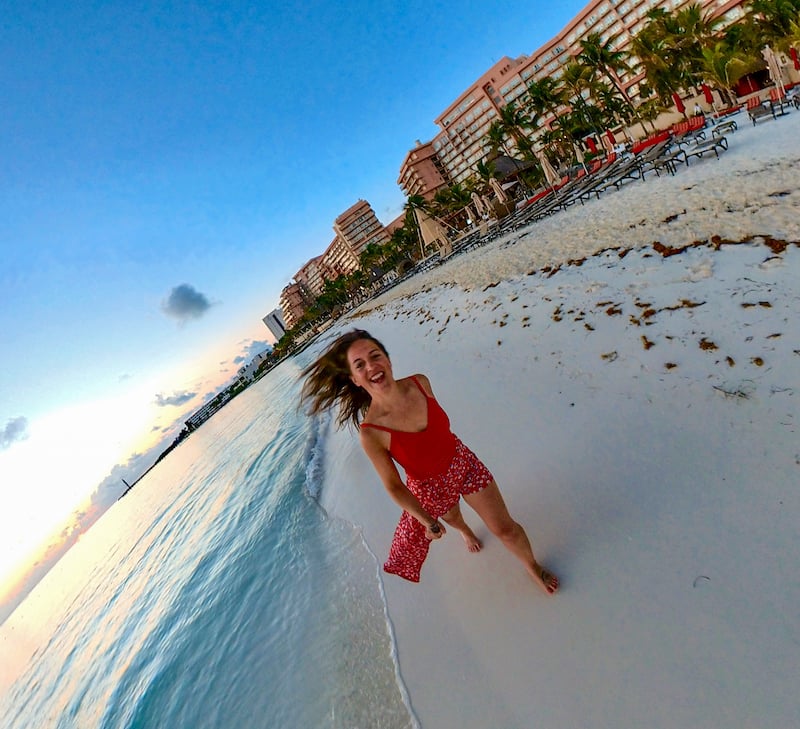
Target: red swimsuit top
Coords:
[[425, 453]]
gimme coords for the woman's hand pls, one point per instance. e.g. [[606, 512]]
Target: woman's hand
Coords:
[[435, 530]]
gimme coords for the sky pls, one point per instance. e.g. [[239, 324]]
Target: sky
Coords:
[[166, 169]]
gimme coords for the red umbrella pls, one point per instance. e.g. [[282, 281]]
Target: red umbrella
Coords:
[[793, 54], [592, 145], [678, 103], [707, 94], [611, 137]]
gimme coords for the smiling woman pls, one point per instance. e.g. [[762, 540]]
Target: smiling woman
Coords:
[[402, 424]]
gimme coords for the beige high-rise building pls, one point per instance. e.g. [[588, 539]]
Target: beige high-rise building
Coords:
[[294, 301], [461, 144], [356, 228], [422, 172]]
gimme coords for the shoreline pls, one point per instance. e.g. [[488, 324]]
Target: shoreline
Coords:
[[639, 410]]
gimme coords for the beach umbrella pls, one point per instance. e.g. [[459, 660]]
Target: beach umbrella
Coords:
[[472, 217], [608, 140], [498, 190], [478, 203], [774, 68], [795, 59], [433, 232], [708, 95], [579, 154], [549, 173], [678, 103]]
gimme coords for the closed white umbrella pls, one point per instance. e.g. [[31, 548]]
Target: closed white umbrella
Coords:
[[476, 200], [498, 190], [579, 155], [774, 68], [549, 173]]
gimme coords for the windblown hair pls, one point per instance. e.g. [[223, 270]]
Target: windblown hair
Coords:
[[327, 381]]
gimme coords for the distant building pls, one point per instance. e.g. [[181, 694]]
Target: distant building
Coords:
[[275, 323], [422, 172], [295, 299], [358, 227], [206, 411], [455, 151], [355, 229], [246, 374]]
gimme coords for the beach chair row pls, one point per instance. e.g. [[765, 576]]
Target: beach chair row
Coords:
[[660, 153]]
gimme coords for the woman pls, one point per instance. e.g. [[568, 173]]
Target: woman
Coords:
[[400, 421]]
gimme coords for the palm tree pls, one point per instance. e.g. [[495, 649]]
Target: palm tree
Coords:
[[575, 83], [485, 170], [600, 56], [372, 257], [543, 98], [723, 66], [670, 47], [654, 48], [496, 137], [696, 31], [773, 19], [514, 122], [415, 202]]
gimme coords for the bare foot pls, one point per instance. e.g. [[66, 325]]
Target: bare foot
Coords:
[[547, 580], [472, 542]]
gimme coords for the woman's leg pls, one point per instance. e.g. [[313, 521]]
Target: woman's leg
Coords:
[[489, 504], [455, 519]]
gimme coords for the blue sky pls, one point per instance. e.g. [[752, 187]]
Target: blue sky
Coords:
[[166, 168]]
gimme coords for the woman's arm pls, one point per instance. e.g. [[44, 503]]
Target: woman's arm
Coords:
[[390, 476]]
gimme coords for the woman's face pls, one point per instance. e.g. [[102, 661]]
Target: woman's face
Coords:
[[370, 367]]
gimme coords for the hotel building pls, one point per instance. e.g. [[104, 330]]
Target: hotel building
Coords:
[[275, 323], [451, 156], [355, 229]]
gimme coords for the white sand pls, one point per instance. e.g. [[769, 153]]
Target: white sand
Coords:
[[659, 481]]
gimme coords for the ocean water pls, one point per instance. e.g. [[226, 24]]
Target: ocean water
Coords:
[[217, 593]]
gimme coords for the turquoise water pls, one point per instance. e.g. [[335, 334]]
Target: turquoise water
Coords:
[[217, 593]]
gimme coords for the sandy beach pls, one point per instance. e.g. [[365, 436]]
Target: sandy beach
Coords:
[[629, 370]]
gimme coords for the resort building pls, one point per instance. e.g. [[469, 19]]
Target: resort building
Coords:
[[275, 323], [200, 416], [295, 299], [461, 144], [422, 171], [356, 228]]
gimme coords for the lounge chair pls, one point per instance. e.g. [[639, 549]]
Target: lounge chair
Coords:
[[721, 128], [689, 129], [757, 110], [776, 97], [703, 147]]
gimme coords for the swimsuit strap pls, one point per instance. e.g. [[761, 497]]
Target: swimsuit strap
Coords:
[[377, 427], [416, 382]]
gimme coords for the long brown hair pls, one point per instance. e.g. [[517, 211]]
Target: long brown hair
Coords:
[[328, 381]]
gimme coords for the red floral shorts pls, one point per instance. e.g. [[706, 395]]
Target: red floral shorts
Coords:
[[466, 474]]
